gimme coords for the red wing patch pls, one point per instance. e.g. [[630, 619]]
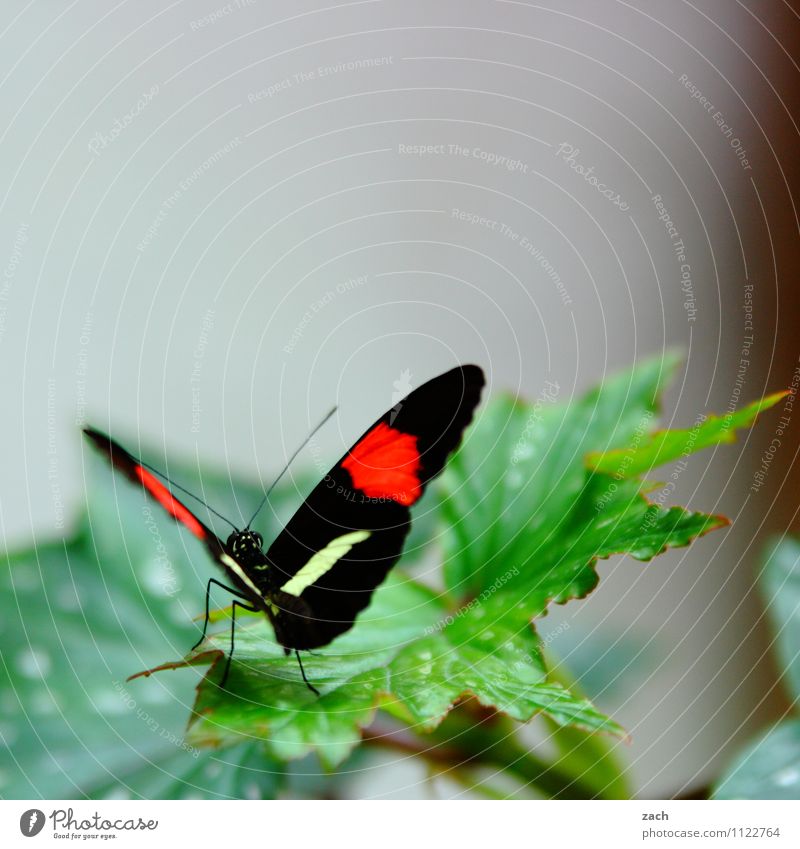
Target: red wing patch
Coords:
[[164, 497], [384, 464]]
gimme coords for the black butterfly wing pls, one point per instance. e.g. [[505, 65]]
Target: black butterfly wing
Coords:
[[339, 546], [135, 471]]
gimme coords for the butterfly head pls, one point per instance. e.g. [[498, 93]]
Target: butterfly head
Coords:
[[245, 544]]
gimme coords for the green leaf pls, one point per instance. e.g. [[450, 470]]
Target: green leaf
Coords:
[[646, 453], [406, 654], [523, 511], [780, 587], [522, 469], [769, 768]]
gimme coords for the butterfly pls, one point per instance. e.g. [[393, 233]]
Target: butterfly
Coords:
[[321, 570]]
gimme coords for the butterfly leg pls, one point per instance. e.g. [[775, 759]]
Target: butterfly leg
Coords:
[[233, 628], [303, 673], [208, 596]]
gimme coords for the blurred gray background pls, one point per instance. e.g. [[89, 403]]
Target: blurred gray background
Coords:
[[218, 220]]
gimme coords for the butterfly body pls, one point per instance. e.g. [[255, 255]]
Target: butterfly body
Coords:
[[321, 570]]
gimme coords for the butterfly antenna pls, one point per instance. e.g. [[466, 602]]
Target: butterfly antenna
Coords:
[[289, 463], [186, 492]]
